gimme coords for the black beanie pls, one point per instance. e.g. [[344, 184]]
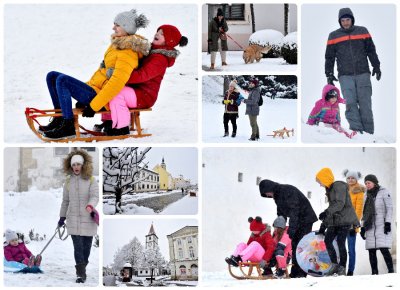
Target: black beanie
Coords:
[[220, 12], [372, 178]]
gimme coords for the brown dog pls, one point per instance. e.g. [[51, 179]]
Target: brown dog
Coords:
[[254, 52]]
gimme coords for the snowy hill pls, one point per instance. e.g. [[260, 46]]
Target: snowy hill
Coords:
[[39, 210]]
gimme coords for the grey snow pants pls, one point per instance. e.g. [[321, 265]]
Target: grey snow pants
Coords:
[[357, 91]]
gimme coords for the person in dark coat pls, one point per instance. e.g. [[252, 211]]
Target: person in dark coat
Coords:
[[293, 204], [231, 102], [253, 109], [377, 223], [351, 46], [337, 219], [217, 40]]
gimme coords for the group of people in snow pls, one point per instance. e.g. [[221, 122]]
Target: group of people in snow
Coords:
[[77, 214], [352, 209], [232, 100], [129, 77], [350, 47]]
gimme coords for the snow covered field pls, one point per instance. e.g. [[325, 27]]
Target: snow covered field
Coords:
[[185, 205], [39, 210], [274, 115], [74, 44]]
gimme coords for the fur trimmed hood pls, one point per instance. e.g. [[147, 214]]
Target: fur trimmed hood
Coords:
[[87, 168], [171, 54], [134, 42]]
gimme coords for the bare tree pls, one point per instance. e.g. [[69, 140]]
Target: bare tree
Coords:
[[286, 19], [253, 20]]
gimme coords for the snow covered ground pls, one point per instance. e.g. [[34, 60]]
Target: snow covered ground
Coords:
[[274, 115], [236, 63], [313, 45], [74, 44], [39, 210], [186, 205]]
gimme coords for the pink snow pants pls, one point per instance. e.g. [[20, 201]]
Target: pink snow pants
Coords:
[[119, 107], [253, 252]]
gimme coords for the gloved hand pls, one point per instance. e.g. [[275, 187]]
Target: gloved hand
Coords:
[[92, 214], [226, 102], [322, 216], [377, 72], [88, 112], [387, 228], [321, 230], [61, 221], [263, 263], [352, 232], [362, 233], [209, 40], [330, 78], [80, 105]]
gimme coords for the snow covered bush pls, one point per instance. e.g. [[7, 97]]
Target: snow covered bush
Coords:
[[289, 48], [268, 37]]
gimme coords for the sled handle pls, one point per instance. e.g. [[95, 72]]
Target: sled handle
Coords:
[[60, 235]]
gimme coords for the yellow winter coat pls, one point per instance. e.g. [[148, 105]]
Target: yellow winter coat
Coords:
[[120, 59], [356, 192]]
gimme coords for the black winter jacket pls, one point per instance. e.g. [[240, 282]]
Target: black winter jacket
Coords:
[[291, 203], [351, 48]]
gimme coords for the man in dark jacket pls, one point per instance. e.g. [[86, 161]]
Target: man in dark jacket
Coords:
[[291, 203], [338, 218], [351, 46], [252, 108]]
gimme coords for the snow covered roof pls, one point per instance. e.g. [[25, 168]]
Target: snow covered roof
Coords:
[[127, 265]]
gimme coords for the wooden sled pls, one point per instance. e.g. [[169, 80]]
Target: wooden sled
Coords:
[[86, 135], [247, 272], [281, 133]]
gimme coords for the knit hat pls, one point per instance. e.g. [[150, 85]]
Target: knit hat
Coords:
[[280, 222], [172, 36], [220, 12], [77, 159], [11, 235], [348, 173], [130, 21], [372, 178], [256, 224], [325, 176], [254, 82]]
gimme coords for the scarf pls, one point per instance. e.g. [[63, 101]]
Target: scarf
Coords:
[[369, 207]]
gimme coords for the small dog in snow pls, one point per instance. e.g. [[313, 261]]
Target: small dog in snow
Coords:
[[254, 52]]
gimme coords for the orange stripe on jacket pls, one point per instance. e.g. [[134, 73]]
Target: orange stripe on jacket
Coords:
[[350, 37]]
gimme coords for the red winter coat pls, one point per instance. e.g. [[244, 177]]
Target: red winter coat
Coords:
[[266, 241], [16, 253], [146, 80]]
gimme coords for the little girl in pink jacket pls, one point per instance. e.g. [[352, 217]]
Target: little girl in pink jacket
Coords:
[[283, 250]]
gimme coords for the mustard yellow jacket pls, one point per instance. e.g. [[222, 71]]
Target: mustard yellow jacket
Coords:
[[120, 59], [356, 192]]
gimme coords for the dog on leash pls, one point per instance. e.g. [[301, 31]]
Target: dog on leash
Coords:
[[254, 53]]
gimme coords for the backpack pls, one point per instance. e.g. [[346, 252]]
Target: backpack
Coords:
[[260, 101]]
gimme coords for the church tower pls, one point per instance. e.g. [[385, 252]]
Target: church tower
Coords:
[[151, 238], [163, 165]]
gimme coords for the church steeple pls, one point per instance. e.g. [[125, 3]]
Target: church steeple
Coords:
[[151, 238], [163, 165]]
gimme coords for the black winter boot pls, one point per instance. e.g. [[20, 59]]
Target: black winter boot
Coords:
[[80, 273], [105, 127], [233, 134], [119, 132], [226, 134], [54, 123], [66, 129]]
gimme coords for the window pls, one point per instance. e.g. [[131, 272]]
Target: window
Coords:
[[191, 252], [189, 239], [90, 149], [180, 253], [61, 151], [179, 242], [233, 11], [183, 270]]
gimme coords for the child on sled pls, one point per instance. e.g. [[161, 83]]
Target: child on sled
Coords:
[[16, 250], [259, 248], [326, 110], [141, 90]]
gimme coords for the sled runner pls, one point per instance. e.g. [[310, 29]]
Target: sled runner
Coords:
[[16, 267], [85, 135], [247, 272], [281, 133]]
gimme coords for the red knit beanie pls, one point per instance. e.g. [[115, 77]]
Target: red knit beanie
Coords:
[[256, 224], [171, 34]]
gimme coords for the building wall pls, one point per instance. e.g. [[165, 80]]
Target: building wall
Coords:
[[267, 16], [150, 184]]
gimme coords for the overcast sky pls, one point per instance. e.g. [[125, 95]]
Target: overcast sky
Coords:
[[182, 160], [118, 232]]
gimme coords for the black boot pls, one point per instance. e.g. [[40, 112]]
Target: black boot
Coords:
[[80, 273], [252, 138], [233, 134], [54, 123], [119, 132], [105, 127], [226, 134], [257, 136], [66, 129], [267, 271]]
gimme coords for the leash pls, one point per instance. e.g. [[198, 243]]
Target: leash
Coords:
[[241, 47], [60, 235]]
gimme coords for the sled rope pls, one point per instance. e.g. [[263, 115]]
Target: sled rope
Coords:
[[60, 236]]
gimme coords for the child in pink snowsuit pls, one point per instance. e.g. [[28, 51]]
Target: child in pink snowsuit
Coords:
[[283, 250], [15, 250], [259, 247], [142, 88]]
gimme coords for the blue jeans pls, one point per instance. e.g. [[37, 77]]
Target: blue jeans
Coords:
[[63, 88], [351, 245], [82, 247]]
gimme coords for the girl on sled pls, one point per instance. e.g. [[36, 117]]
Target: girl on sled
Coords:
[[326, 110]]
